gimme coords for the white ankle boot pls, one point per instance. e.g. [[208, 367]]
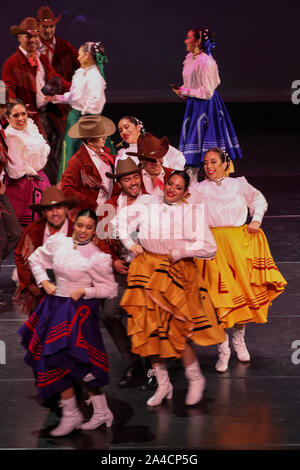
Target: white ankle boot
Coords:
[[196, 383], [238, 343], [164, 389], [101, 414], [71, 418], [224, 356]]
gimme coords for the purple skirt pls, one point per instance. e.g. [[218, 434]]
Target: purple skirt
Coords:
[[64, 344], [24, 192]]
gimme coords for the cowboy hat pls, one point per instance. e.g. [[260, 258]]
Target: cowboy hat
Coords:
[[46, 16], [51, 197], [125, 166], [27, 26], [150, 147], [92, 126]]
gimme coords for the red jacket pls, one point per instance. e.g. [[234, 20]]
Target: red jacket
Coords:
[[20, 80], [65, 59], [81, 179]]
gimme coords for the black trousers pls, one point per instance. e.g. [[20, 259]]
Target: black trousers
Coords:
[[10, 229]]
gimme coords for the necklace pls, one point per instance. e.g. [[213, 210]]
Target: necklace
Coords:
[[218, 182], [76, 243]]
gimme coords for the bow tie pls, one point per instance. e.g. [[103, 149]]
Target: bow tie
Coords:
[[106, 157], [33, 61], [158, 182]]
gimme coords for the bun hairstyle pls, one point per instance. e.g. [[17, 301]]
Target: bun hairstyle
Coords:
[[96, 50], [207, 39], [224, 156], [87, 213], [184, 175]]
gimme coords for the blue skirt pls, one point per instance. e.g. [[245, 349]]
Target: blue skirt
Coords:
[[207, 124], [64, 344]]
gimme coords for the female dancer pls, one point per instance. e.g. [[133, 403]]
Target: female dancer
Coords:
[[62, 336], [243, 278], [130, 128], [167, 306], [86, 96], [206, 121], [28, 152]]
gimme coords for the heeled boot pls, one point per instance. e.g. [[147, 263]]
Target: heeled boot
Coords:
[[238, 343], [164, 389], [101, 413], [71, 418], [224, 356], [196, 383]]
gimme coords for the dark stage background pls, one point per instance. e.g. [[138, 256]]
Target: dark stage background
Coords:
[[256, 43]]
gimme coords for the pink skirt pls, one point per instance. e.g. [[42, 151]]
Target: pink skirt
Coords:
[[23, 192]]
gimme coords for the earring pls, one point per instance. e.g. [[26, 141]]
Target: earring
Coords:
[[196, 50], [87, 62]]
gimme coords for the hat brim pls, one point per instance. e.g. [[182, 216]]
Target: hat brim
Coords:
[[75, 132], [15, 30], [69, 202], [50, 22], [153, 156], [126, 173]]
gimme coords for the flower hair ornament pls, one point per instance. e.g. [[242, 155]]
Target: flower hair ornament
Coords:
[[99, 56]]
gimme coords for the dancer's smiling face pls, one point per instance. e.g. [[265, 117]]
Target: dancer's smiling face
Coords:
[[84, 228], [129, 131], [213, 166], [18, 117], [175, 189]]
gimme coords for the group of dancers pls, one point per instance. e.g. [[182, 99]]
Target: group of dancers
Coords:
[[103, 233]]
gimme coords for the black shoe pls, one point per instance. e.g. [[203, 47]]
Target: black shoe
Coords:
[[132, 374]]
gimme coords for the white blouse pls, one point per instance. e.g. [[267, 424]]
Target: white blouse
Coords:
[[200, 76], [27, 149], [87, 92], [176, 229], [226, 205], [173, 158], [86, 266]]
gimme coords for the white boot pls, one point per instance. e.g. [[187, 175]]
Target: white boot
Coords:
[[101, 414], [164, 389], [71, 418], [238, 343], [196, 383], [224, 356]]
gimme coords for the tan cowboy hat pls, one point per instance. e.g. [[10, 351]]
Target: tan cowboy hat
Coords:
[[150, 147], [27, 26], [92, 126], [46, 16], [124, 167], [51, 197]]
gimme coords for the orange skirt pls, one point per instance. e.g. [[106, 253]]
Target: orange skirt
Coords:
[[243, 278], [166, 305]]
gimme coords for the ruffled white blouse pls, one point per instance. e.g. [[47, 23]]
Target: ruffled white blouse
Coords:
[[173, 158], [86, 266], [178, 230], [27, 149], [200, 76], [227, 204], [87, 91]]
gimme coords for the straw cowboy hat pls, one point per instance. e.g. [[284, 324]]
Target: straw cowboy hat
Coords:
[[92, 126], [124, 167], [27, 26], [150, 147], [51, 197], [46, 16]]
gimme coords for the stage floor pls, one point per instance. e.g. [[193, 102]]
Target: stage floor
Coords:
[[251, 406]]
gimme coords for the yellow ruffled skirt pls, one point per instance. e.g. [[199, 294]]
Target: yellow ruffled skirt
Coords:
[[166, 305], [243, 278]]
